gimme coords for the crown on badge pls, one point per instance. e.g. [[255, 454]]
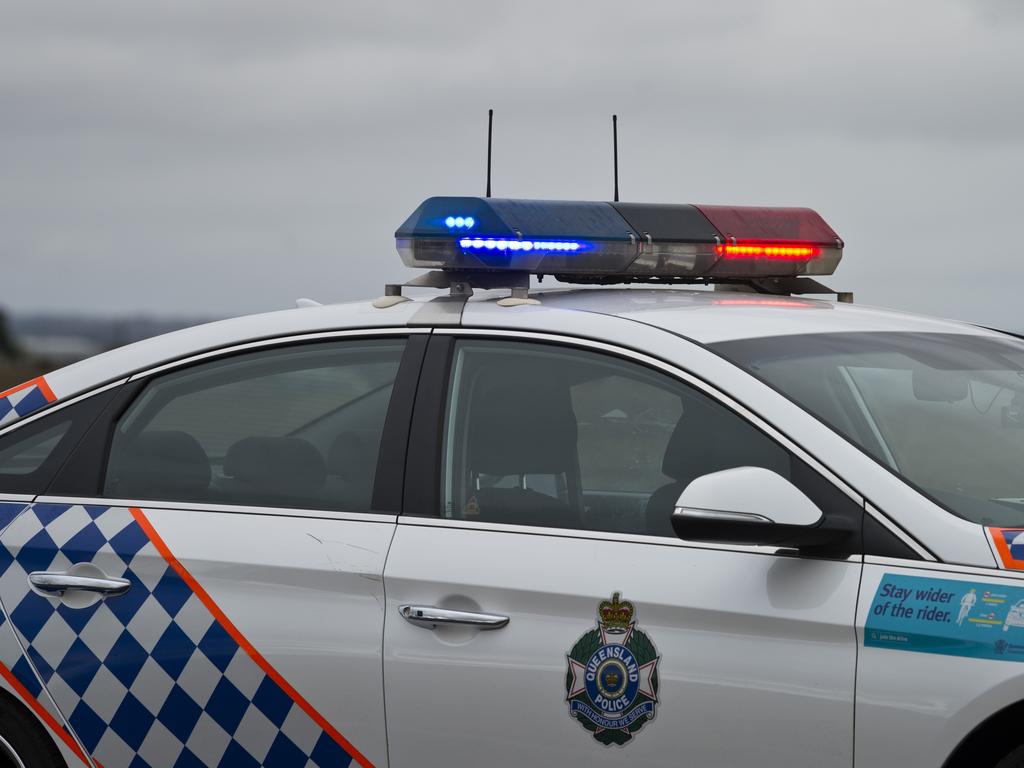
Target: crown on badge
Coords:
[[615, 614]]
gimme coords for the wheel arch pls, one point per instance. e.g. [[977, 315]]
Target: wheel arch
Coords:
[[990, 740], [13, 708]]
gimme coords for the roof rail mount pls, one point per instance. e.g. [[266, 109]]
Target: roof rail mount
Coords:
[[462, 283]]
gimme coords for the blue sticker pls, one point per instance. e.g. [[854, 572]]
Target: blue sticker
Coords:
[[954, 618]]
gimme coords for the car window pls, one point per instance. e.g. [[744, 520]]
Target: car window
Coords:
[[295, 427], [27, 454], [943, 411], [545, 435]]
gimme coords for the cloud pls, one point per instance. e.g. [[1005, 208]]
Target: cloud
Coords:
[[230, 156]]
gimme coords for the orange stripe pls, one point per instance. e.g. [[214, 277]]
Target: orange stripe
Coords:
[[18, 388], [1009, 561], [44, 387], [42, 713], [239, 638], [38, 382]]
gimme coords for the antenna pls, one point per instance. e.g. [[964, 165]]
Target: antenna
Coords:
[[490, 132], [615, 153]]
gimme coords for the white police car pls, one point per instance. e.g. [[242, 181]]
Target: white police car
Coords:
[[648, 526]]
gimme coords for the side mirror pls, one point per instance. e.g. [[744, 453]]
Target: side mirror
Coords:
[[750, 505]]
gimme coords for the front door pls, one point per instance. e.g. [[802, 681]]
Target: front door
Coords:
[[220, 603], [545, 614]]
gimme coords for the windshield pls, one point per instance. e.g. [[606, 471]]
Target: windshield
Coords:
[[944, 411]]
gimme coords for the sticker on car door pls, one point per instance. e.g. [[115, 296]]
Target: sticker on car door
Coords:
[[946, 616], [612, 681]]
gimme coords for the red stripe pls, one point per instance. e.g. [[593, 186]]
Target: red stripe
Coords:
[[239, 638], [42, 712], [37, 382]]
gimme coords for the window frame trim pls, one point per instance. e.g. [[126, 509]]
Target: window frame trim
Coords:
[[671, 369], [136, 383]]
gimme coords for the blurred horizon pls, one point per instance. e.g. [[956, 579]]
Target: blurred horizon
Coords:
[[32, 344]]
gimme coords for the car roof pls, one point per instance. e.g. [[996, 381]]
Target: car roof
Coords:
[[706, 316], [710, 316]]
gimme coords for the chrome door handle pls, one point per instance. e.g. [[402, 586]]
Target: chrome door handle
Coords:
[[58, 583], [429, 617]]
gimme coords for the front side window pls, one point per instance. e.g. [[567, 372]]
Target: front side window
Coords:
[[546, 435], [944, 411], [291, 427]]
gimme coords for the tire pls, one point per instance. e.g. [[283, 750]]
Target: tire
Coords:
[[1013, 760], [23, 734]]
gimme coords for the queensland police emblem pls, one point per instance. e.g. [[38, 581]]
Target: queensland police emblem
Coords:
[[612, 681]]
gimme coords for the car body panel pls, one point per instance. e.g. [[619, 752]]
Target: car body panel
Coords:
[[209, 650], [914, 708], [751, 646], [18, 677]]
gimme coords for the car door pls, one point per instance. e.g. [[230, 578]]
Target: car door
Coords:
[[541, 612], [202, 583]]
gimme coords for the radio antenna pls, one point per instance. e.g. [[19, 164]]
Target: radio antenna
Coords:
[[615, 153], [490, 133]]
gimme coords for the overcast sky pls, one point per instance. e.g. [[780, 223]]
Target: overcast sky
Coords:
[[199, 157]]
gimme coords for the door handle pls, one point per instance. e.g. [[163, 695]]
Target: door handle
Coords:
[[429, 617], [57, 584]]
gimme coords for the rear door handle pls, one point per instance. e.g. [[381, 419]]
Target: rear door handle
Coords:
[[430, 617], [58, 583]]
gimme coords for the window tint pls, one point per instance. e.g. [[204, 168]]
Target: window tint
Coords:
[[296, 427], [28, 454], [943, 411], [33, 450], [545, 435]]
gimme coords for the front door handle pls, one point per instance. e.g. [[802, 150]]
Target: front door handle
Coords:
[[429, 617], [57, 584]]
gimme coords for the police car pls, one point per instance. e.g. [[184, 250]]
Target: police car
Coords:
[[711, 525]]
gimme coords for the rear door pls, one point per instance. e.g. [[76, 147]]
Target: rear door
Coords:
[[206, 570], [540, 610]]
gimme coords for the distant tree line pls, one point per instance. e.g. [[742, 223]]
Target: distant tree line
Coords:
[[8, 347]]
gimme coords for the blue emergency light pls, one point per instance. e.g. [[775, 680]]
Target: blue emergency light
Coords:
[[579, 241]]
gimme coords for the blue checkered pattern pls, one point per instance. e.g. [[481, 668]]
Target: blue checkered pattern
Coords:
[[14, 660], [18, 404], [150, 678], [10, 652], [8, 511], [11, 655]]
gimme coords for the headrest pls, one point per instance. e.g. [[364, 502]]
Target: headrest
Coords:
[[710, 439], [159, 464], [522, 426], [353, 457], [278, 466]]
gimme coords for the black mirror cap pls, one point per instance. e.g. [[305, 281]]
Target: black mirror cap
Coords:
[[825, 535]]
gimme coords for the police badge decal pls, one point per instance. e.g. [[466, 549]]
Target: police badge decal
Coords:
[[612, 681]]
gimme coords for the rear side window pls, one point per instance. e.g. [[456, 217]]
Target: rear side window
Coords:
[[292, 427], [33, 451], [27, 455]]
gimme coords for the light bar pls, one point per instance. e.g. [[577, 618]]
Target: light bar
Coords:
[[609, 242]]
